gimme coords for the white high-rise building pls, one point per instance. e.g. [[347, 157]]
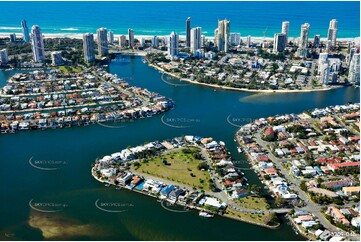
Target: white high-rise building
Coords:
[[173, 44], [4, 56], [155, 41], [279, 42], [354, 70], [248, 41], [37, 44], [322, 59], [285, 30], [235, 39], [102, 39], [324, 73], [303, 41], [305, 29], [221, 35], [110, 37], [332, 32], [131, 37], [196, 39], [88, 47]]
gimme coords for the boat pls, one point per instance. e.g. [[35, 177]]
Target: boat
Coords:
[[206, 215], [239, 149], [107, 185]]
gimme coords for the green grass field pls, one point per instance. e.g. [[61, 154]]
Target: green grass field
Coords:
[[69, 69], [256, 203], [179, 167]]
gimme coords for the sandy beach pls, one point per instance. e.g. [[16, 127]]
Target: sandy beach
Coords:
[[181, 37]]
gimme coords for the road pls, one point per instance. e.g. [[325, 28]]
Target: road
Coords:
[[310, 205]]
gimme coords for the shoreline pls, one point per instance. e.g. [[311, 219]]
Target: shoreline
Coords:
[[241, 89], [181, 204], [149, 36]]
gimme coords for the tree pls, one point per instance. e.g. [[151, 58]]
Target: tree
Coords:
[[280, 202]]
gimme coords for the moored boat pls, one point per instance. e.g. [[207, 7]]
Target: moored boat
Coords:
[[205, 215]]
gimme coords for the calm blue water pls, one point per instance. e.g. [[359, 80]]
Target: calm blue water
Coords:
[[160, 18]]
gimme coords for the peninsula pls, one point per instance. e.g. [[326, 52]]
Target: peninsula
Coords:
[[190, 171]]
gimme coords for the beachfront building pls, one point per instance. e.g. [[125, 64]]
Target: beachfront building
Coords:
[[110, 37], [25, 29], [173, 44], [279, 42], [248, 41], [235, 39], [196, 39], [155, 41], [122, 40], [131, 37], [13, 38], [188, 32], [37, 44], [56, 58], [102, 41], [221, 35], [303, 43], [88, 47], [4, 56], [285, 30], [317, 41], [354, 71], [332, 33]]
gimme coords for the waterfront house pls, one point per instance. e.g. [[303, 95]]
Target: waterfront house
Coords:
[[166, 190]]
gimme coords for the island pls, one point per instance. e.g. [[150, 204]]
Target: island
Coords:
[[190, 171], [310, 162]]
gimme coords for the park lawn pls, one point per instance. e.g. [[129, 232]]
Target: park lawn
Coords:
[[69, 69], [179, 168], [256, 203], [245, 216]]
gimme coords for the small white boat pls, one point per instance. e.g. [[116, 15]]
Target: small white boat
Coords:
[[239, 150], [206, 215]]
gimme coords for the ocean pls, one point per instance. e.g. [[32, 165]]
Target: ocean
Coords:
[[161, 18]]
